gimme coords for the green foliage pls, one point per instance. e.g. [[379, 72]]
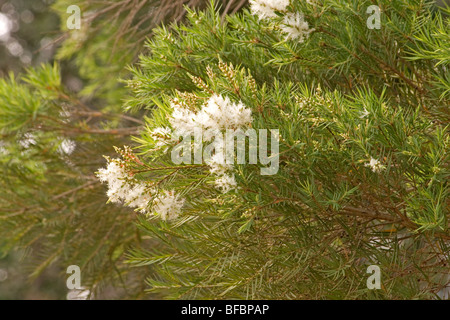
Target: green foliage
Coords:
[[112, 36], [346, 96], [51, 201], [52, 207], [363, 160], [433, 43]]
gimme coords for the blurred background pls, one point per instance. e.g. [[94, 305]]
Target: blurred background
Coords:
[[27, 32]]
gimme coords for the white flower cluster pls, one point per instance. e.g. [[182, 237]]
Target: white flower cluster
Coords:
[[67, 147], [168, 205], [375, 165], [294, 24], [162, 136], [120, 189], [266, 8], [217, 163], [216, 115], [226, 182], [296, 27]]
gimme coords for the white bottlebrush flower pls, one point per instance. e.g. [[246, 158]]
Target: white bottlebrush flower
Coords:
[[217, 164], [28, 140], [115, 175], [121, 189], [138, 197], [114, 171], [67, 147], [168, 205], [162, 136], [295, 26], [266, 8], [217, 114], [216, 161], [375, 165], [226, 183], [183, 121]]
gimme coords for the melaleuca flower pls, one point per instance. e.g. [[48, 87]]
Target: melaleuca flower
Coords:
[[168, 205], [67, 147], [183, 120], [217, 163], [113, 175], [220, 113], [217, 114], [123, 189], [266, 8], [375, 165], [162, 136], [138, 197], [226, 183], [295, 26], [28, 140], [220, 168]]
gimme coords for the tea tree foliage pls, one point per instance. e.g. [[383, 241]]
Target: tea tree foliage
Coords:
[[52, 206], [363, 178], [363, 155], [50, 199], [112, 36]]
